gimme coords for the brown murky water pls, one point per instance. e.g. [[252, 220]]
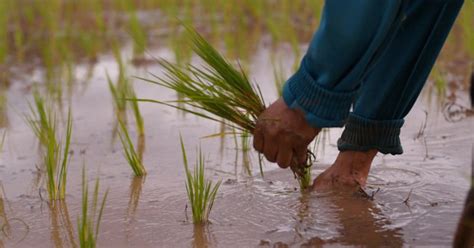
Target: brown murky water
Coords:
[[249, 211]]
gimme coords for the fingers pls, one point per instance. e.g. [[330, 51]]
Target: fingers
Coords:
[[301, 154], [278, 147], [285, 156], [258, 140], [270, 149]]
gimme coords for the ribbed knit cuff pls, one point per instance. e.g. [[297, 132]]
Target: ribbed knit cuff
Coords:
[[322, 107], [362, 134]]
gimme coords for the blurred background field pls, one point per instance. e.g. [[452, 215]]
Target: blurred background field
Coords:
[[57, 34]]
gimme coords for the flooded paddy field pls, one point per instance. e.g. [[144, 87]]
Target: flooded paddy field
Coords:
[[413, 199]]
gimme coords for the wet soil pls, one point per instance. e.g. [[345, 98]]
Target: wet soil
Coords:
[[419, 200]]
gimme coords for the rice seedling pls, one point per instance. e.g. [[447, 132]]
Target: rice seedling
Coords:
[[245, 141], [136, 112], [201, 191], [134, 27], [3, 31], [279, 76], [130, 153], [2, 141], [321, 141], [88, 223], [218, 91], [57, 164], [41, 120], [122, 91]]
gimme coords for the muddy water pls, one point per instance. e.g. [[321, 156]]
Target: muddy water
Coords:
[[249, 211]]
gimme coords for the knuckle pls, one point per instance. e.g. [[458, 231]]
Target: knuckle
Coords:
[[272, 131]]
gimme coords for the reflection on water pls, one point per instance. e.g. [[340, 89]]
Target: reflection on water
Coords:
[[465, 232], [13, 229], [202, 236], [62, 232], [358, 221], [135, 191], [5, 225], [249, 210], [136, 187], [363, 223]]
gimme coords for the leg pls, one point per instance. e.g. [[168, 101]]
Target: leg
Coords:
[[390, 87], [350, 34], [321, 93]]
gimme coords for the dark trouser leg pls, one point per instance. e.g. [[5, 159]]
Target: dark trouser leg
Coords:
[[395, 78], [349, 36]]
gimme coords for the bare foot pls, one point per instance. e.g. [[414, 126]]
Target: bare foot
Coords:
[[350, 170]]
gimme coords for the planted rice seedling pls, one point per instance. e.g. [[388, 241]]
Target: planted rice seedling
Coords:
[[136, 112], [130, 153], [122, 91], [89, 222], [3, 32], [201, 191], [279, 76], [43, 122], [2, 141], [56, 160], [218, 91]]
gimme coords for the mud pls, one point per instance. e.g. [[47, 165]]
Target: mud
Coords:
[[419, 200]]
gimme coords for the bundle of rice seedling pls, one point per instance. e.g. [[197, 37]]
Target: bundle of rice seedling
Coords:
[[217, 91]]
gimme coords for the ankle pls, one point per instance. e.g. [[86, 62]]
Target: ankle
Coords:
[[355, 165], [350, 170]]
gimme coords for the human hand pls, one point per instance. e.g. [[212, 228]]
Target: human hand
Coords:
[[283, 135]]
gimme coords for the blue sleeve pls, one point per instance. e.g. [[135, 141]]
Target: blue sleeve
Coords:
[[350, 36]]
